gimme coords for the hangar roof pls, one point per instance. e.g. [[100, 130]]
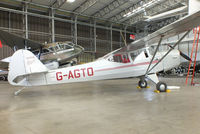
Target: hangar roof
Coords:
[[121, 13]]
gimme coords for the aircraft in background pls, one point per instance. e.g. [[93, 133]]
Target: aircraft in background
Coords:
[[53, 55], [133, 60]]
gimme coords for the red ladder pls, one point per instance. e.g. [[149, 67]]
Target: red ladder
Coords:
[[194, 41]]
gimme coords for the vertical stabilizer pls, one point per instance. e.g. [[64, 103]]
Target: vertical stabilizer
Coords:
[[23, 64], [194, 6]]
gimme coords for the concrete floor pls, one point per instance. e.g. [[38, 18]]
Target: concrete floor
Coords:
[[100, 107]]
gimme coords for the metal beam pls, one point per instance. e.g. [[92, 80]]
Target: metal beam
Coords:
[[57, 3], [120, 15], [64, 11], [25, 20], [165, 5], [95, 37], [85, 6], [52, 25], [56, 18], [111, 47], [75, 30], [109, 8]]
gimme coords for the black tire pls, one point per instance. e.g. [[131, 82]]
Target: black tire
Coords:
[[161, 86], [142, 83]]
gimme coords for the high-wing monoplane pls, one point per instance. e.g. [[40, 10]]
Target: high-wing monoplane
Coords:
[[52, 55], [133, 60]]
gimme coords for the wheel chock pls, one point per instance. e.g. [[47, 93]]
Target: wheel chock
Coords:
[[138, 87], [168, 90], [156, 91], [148, 86]]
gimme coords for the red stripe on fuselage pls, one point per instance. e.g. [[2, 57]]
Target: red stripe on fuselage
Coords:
[[133, 65]]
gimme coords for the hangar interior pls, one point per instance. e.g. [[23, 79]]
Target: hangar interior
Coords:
[[107, 106], [93, 24]]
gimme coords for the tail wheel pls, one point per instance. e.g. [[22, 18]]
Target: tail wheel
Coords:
[[142, 83], [161, 86]]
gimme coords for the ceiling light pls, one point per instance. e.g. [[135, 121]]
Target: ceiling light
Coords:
[[70, 1]]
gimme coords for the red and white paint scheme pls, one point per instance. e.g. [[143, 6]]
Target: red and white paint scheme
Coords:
[[133, 60], [27, 70]]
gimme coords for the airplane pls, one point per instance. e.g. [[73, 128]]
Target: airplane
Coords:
[[134, 60], [53, 55]]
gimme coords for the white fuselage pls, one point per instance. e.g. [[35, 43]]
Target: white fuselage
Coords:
[[104, 68]]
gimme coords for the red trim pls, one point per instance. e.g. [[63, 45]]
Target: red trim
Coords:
[[133, 65]]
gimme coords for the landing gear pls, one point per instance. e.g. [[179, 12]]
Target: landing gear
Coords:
[[142, 83], [161, 86]]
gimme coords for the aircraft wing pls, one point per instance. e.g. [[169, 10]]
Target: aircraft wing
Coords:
[[184, 24], [14, 40]]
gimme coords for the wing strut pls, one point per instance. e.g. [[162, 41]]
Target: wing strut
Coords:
[[169, 50], [154, 54]]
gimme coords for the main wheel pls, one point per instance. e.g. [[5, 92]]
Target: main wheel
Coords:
[[161, 86], [142, 83]]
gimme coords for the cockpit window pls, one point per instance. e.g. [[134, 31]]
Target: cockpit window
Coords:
[[117, 58], [51, 49], [67, 47], [71, 44], [56, 47], [122, 58], [134, 55], [35, 52], [62, 46]]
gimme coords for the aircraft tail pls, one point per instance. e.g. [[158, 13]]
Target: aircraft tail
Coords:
[[193, 6], [25, 67]]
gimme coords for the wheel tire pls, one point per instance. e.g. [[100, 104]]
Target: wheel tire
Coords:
[[161, 86], [142, 83]]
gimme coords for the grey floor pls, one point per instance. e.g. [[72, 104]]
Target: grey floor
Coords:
[[100, 107]]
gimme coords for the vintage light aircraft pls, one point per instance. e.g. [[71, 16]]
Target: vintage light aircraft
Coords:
[[133, 60], [52, 55]]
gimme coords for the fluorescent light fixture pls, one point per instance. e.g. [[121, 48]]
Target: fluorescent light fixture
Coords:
[[141, 8], [70, 1]]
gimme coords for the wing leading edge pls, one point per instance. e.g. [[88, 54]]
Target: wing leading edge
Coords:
[[184, 24]]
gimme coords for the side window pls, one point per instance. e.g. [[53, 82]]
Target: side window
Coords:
[[61, 47], [122, 58], [133, 55], [146, 54], [35, 52], [67, 47], [51, 49], [56, 48], [117, 58]]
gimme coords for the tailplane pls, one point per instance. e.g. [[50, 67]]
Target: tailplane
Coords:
[[23, 65]]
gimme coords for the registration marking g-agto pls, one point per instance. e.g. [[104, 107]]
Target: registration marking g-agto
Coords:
[[75, 73]]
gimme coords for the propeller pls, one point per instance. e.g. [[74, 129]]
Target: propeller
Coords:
[[182, 54]]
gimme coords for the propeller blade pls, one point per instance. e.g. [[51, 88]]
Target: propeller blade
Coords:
[[182, 54]]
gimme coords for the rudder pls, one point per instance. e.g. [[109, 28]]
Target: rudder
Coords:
[[22, 65]]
